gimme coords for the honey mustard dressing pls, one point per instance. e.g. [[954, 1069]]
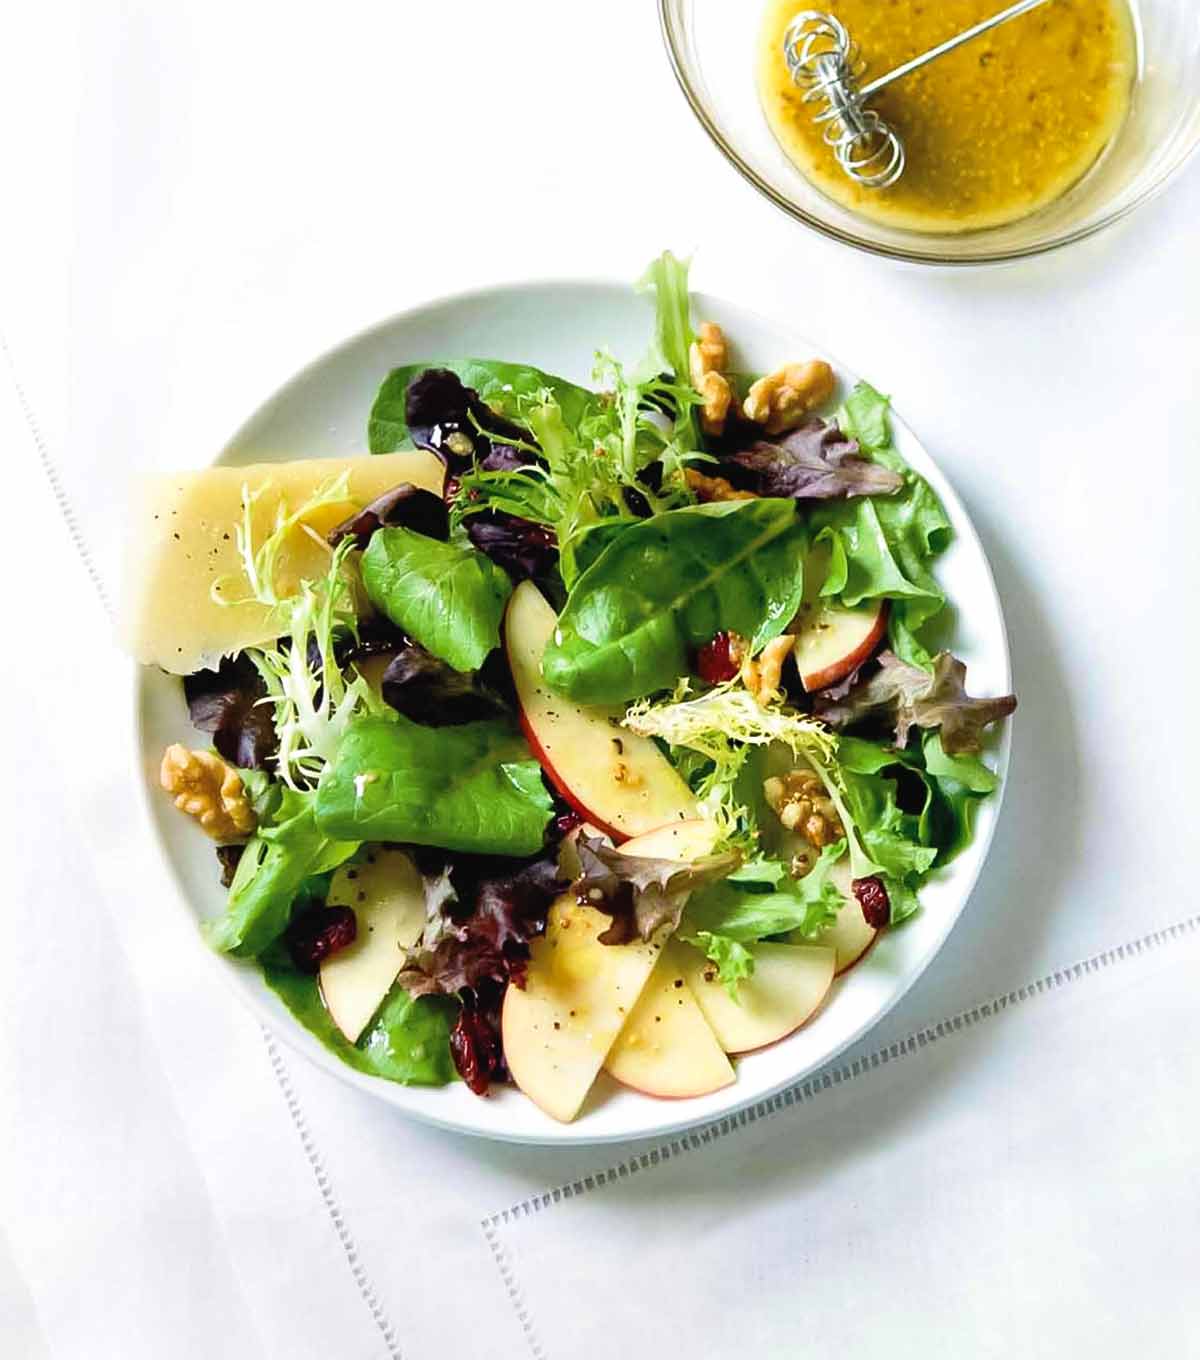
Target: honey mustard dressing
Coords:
[[993, 131]]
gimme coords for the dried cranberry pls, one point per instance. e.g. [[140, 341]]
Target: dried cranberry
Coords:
[[720, 659], [565, 823], [476, 1049], [873, 899], [451, 489], [317, 932]]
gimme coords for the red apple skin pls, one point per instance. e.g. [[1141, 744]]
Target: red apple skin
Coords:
[[576, 748], [617, 837], [840, 669], [854, 962]]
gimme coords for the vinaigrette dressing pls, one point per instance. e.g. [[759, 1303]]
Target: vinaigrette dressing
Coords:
[[994, 131]]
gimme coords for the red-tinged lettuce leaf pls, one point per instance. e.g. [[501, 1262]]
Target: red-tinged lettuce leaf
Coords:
[[449, 419], [914, 697], [505, 388], [527, 551], [816, 462], [475, 956], [418, 684], [427, 690], [487, 936], [227, 704], [640, 893], [949, 707], [404, 506]]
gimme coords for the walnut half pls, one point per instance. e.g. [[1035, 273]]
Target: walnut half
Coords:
[[204, 787], [781, 400], [707, 356], [762, 675], [709, 489]]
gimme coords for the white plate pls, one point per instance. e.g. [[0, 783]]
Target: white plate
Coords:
[[557, 326]]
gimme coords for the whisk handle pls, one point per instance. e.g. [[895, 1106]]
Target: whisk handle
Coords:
[[1013, 12]]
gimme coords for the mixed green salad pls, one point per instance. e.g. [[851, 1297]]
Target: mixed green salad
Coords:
[[605, 738]]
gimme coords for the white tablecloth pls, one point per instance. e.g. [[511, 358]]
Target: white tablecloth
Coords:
[[200, 200]]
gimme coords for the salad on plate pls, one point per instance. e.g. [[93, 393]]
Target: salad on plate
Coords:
[[574, 728]]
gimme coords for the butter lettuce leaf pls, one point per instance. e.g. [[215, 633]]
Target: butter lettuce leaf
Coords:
[[473, 788]]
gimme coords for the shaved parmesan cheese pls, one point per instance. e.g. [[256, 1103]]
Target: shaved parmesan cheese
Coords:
[[183, 543]]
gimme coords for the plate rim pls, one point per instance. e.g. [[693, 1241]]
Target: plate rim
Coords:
[[300, 1041]]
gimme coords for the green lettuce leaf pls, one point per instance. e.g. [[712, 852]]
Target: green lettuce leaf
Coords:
[[967, 770], [507, 388], [891, 837], [736, 911], [280, 857], [734, 961], [407, 1041], [864, 416], [953, 787], [581, 550], [667, 585], [449, 596], [667, 279], [472, 787], [882, 547]]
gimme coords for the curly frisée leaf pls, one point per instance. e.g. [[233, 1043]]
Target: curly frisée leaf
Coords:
[[725, 726], [723, 723], [310, 699], [261, 561], [313, 700], [734, 961]]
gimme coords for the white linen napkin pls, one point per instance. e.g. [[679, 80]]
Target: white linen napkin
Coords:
[[1021, 1182]]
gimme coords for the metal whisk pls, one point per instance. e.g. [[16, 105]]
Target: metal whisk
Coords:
[[826, 64]]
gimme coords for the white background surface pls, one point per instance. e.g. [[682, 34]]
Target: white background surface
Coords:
[[202, 198]]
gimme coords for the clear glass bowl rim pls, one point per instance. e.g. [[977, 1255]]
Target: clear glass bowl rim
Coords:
[[915, 255]]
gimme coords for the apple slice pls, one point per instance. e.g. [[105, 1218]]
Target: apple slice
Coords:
[[789, 983], [387, 897], [831, 639], [667, 1047], [688, 840], [578, 994], [618, 781], [849, 935], [683, 841]]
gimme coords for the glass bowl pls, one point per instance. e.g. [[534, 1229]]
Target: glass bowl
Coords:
[[712, 45]]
